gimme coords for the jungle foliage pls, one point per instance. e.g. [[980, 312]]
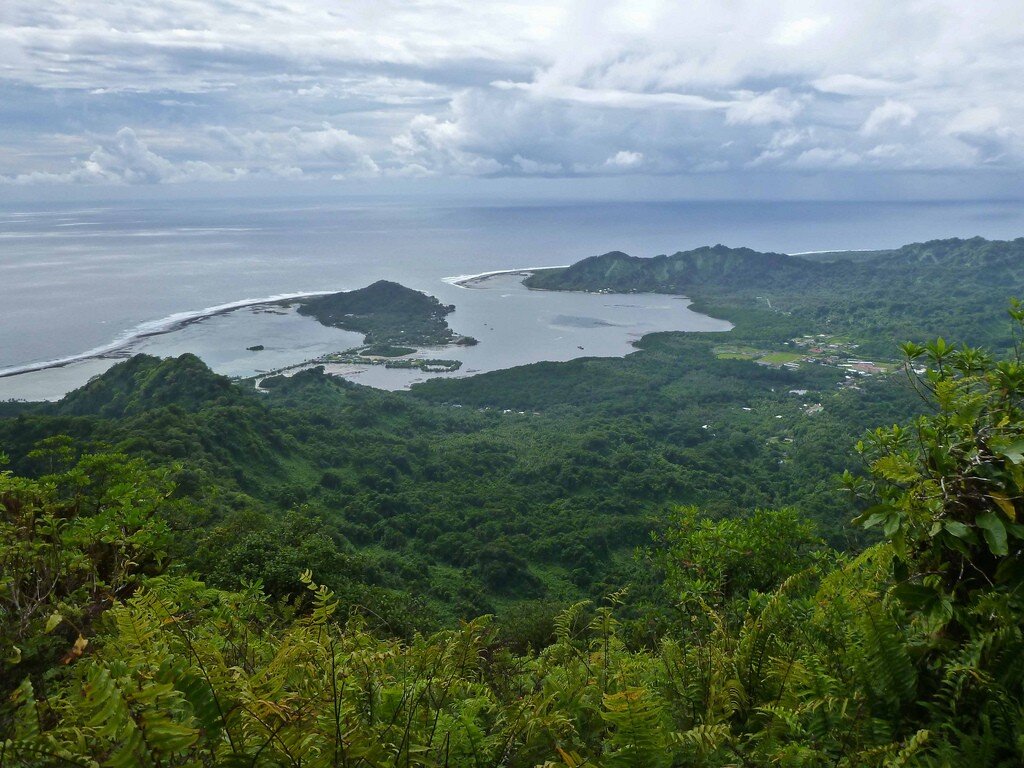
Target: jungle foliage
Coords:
[[386, 312], [754, 645], [607, 562], [922, 290], [478, 495]]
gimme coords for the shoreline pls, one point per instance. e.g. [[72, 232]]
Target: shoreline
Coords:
[[150, 328], [833, 250], [468, 281], [179, 320]]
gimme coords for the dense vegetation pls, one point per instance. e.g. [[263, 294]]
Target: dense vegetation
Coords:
[[922, 290], [195, 573], [497, 493], [387, 313], [757, 645]]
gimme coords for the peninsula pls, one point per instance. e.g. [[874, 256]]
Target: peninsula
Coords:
[[387, 314]]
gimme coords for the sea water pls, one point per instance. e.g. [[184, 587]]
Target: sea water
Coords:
[[81, 279]]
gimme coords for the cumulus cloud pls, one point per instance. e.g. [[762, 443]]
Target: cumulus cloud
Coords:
[[296, 152], [320, 89], [125, 159], [625, 159], [776, 106], [985, 130], [533, 167], [434, 145], [821, 157], [888, 115]]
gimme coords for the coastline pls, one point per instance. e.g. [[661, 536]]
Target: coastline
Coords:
[[834, 250], [99, 358], [151, 328], [470, 281], [179, 320]]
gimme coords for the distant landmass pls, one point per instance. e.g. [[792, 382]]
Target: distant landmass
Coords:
[[941, 287], [388, 314], [710, 265]]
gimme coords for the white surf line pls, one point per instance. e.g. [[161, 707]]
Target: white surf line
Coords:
[[154, 328], [835, 250], [458, 280]]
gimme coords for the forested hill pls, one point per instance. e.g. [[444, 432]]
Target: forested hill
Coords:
[[712, 265], [254, 580], [527, 487], [922, 290], [144, 383], [196, 573], [388, 313]]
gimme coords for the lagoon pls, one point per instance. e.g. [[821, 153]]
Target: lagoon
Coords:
[[76, 278]]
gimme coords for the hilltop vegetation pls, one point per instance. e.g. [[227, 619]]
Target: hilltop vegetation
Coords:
[[387, 313], [195, 573], [709, 266], [754, 644], [537, 487], [922, 290]]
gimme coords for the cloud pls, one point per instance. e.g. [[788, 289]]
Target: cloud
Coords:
[[315, 89], [125, 159], [821, 157], [776, 106], [535, 167], [615, 98], [625, 159], [853, 85], [799, 31], [296, 152], [436, 145], [985, 130], [888, 115]]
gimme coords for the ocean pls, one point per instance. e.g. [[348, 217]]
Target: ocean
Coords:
[[78, 279]]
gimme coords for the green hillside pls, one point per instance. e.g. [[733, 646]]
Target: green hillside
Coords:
[[743, 638], [387, 313], [709, 266], [716, 551], [939, 288]]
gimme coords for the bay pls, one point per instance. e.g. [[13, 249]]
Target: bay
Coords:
[[79, 278]]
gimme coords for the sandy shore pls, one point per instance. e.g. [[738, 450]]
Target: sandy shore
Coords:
[[472, 281], [146, 330]]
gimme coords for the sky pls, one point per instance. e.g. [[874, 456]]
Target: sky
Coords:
[[722, 98]]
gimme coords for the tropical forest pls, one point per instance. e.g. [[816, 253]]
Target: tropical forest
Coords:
[[795, 543]]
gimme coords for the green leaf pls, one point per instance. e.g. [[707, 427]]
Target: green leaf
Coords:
[[958, 529], [872, 516], [994, 531], [1010, 571], [897, 469], [1004, 503], [916, 596], [1013, 451], [52, 622]]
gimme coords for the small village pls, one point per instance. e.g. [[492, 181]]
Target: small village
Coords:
[[357, 356], [820, 349]]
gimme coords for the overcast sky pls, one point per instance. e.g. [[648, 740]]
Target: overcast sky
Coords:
[[717, 95]]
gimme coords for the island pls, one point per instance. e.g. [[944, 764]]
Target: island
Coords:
[[395, 322], [388, 314]]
